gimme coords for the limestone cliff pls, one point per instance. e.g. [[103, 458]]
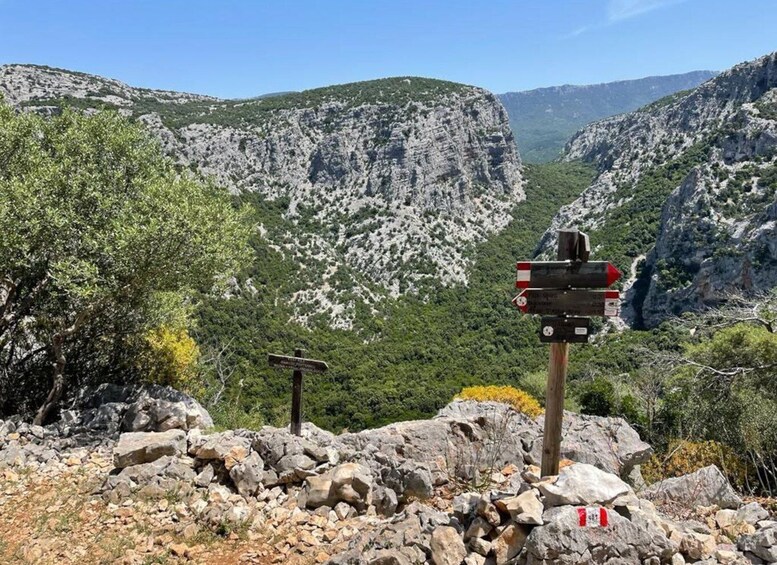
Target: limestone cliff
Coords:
[[689, 182], [392, 180]]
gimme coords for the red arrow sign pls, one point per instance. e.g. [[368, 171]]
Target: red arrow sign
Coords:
[[565, 274], [556, 302]]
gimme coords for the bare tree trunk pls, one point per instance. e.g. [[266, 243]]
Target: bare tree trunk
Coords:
[[58, 384]]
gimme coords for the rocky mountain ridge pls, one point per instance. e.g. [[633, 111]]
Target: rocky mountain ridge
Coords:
[[689, 182], [385, 184], [543, 119], [462, 487]]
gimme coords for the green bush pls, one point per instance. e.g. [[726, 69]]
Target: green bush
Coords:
[[98, 227], [597, 397]]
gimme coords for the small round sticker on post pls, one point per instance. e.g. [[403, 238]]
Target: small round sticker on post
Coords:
[[521, 301], [547, 331]]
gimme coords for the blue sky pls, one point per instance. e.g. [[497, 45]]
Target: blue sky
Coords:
[[241, 48]]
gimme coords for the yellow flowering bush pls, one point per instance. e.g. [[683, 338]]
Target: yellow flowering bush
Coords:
[[518, 399], [171, 357]]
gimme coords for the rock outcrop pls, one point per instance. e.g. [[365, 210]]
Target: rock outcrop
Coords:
[[135, 408], [705, 487]]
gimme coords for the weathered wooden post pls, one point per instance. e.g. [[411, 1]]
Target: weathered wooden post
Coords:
[[557, 375], [296, 397], [566, 291], [299, 364]]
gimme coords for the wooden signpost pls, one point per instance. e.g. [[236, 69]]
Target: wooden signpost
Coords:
[[563, 291], [299, 364], [564, 274]]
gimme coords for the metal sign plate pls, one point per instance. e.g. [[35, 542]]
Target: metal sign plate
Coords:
[[565, 330], [565, 274]]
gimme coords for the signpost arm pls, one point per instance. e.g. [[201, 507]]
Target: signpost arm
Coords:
[[557, 375], [296, 399]]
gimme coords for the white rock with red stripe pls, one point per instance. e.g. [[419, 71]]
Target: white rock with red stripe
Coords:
[[583, 485], [563, 541]]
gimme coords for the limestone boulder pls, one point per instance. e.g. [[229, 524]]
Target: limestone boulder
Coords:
[[582, 484], [762, 544], [349, 482], [696, 546], [247, 475], [407, 478], [465, 440], [135, 448], [525, 508], [610, 444], [133, 408], [751, 513], [225, 446], [509, 542], [705, 487], [180, 468], [562, 541], [447, 546], [290, 458]]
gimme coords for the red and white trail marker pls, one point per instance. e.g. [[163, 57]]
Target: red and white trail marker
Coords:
[[592, 517]]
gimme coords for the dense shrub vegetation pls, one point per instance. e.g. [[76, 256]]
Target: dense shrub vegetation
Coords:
[[683, 457], [102, 241]]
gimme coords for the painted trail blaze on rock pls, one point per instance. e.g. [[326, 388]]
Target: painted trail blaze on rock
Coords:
[[592, 516]]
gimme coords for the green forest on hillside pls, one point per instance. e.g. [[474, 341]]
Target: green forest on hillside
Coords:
[[412, 358]]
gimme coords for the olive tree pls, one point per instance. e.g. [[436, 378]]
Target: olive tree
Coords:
[[97, 224]]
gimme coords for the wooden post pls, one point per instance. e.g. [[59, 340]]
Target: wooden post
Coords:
[[296, 398], [298, 364], [557, 375]]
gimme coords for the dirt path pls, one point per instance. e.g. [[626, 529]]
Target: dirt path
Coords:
[[55, 520]]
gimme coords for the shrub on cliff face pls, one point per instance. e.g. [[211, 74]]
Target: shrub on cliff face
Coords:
[[96, 225], [518, 399]]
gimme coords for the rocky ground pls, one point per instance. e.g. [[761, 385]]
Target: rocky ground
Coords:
[[134, 475]]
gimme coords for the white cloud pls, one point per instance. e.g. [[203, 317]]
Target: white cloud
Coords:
[[575, 33], [618, 10]]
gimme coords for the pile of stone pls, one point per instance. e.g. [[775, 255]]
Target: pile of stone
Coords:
[[582, 516], [389, 494], [93, 422]]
